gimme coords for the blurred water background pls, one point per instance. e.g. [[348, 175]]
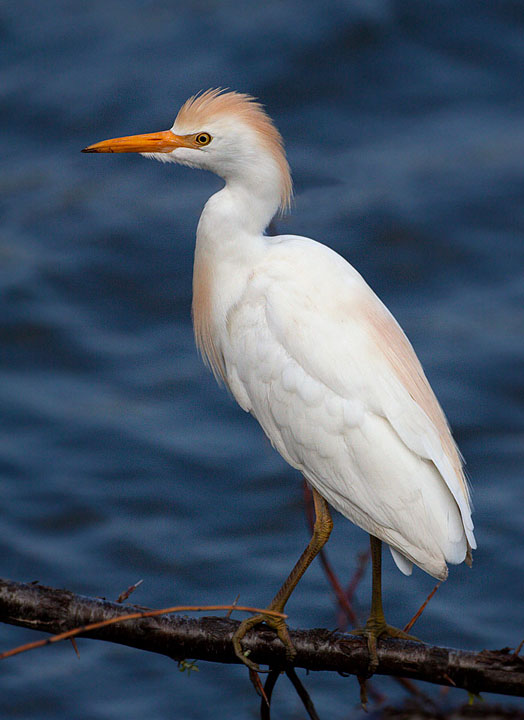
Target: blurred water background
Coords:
[[120, 457]]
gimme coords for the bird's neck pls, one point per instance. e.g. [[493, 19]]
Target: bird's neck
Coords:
[[229, 243], [245, 205], [231, 227]]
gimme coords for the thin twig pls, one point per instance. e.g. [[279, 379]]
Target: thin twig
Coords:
[[233, 606], [130, 616], [411, 688], [75, 647], [362, 682], [257, 684], [449, 680], [362, 561], [421, 608], [518, 649], [375, 694], [131, 589], [265, 707], [302, 693]]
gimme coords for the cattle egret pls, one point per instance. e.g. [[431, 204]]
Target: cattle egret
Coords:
[[303, 343]]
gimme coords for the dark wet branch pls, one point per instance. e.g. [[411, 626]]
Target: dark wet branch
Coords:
[[209, 638]]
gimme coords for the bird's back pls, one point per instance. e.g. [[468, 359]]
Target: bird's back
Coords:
[[311, 351]]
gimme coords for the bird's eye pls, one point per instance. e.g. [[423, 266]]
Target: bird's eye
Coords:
[[203, 139]]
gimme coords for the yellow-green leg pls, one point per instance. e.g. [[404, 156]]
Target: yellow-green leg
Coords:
[[321, 532], [376, 625]]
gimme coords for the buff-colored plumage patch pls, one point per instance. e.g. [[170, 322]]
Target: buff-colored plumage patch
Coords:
[[406, 366], [216, 103]]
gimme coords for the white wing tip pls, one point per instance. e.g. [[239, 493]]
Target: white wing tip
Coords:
[[404, 565], [471, 538]]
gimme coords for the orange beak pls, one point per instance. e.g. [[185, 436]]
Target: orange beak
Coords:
[[159, 142]]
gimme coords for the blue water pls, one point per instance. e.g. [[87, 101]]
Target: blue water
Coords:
[[121, 460]]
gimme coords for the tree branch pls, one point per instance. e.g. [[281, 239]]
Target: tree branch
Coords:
[[209, 638]]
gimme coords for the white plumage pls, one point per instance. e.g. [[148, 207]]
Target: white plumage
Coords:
[[300, 354], [305, 345]]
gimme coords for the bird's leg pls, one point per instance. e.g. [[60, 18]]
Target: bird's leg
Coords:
[[321, 532], [376, 625]]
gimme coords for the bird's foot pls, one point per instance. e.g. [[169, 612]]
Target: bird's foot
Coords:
[[374, 629], [278, 624]]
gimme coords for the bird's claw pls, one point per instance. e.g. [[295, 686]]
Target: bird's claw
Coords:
[[375, 629], [278, 624]]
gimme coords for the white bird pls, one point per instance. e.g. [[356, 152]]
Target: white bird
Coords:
[[304, 344]]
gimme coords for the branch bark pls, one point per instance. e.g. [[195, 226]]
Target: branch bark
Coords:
[[55, 611]]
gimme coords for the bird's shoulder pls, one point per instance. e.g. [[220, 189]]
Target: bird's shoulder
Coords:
[[320, 309], [306, 307], [310, 263]]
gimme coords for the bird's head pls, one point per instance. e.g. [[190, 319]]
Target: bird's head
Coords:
[[227, 133]]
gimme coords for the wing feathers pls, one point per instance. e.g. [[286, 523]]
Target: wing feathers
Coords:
[[421, 423], [339, 391]]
